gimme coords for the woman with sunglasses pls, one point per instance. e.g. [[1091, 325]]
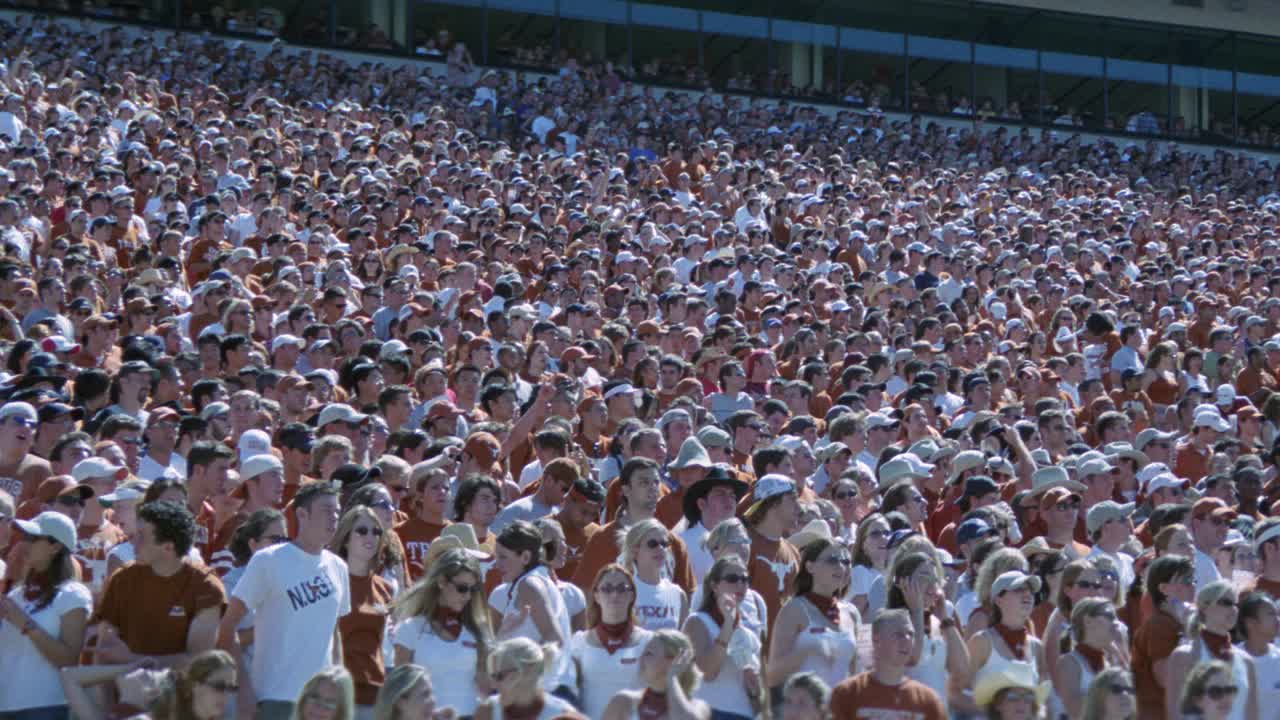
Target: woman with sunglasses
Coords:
[[1209, 693], [1095, 630], [42, 620], [870, 560], [816, 630], [443, 625], [1111, 696], [202, 690], [518, 667], [1208, 639], [608, 652], [360, 540], [917, 586], [728, 654], [646, 552], [729, 538], [1006, 645], [1080, 580]]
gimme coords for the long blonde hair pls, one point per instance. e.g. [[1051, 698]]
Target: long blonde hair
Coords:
[[401, 680], [673, 643], [523, 655], [1198, 678], [1205, 599], [1095, 703], [423, 598], [341, 679], [635, 535]]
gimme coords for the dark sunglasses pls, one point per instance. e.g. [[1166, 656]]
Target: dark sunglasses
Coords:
[[654, 544], [1088, 585], [1218, 692], [735, 579], [467, 589], [364, 531]]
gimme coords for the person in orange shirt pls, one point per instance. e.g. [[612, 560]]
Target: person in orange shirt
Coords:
[[690, 466], [431, 488], [1191, 460]]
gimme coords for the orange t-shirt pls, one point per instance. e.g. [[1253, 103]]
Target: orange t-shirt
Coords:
[[361, 631], [772, 570], [861, 697], [575, 541], [417, 535], [1155, 640], [153, 614], [1190, 464]]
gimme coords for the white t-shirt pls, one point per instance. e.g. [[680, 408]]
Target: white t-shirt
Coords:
[[297, 599], [30, 680]]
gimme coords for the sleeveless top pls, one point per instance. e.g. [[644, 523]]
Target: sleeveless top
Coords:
[[658, 606], [818, 632], [931, 669], [551, 707], [604, 675], [727, 693], [1240, 676], [561, 672], [997, 663], [1266, 671], [1057, 711], [452, 663]]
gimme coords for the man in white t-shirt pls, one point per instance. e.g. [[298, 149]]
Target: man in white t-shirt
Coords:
[[297, 591]]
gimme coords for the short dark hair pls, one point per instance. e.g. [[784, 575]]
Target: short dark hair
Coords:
[[310, 492], [471, 486], [251, 529], [206, 453], [173, 523]]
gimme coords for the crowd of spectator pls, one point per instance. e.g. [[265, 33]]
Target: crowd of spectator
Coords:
[[337, 390]]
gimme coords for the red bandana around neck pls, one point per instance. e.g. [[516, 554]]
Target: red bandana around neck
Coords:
[[523, 712], [449, 620], [827, 604], [1015, 638], [1218, 646], [1093, 656], [652, 705], [614, 636]]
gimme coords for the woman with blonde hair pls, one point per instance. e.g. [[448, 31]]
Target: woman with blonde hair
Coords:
[[407, 695], [608, 654], [443, 625], [1111, 696], [805, 697], [329, 695], [1006, 644], [646, 552], [1208, 638], [1094, 632], [203, 690], [237, 319], [361, 541], [996, 564], [1080, 580], [726, 652], [669, 677], [517, 667], [1209, 692], [816, 630]]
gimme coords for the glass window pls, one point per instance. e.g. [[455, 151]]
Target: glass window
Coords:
[[1072, 92], [1258, 84], [440, 28], [593, 30], [806, 57], [1006, 78], [1138, 78], [1202, 102], [735, 52], [665, 46], [940, 75], [521, 33], [873, 68]]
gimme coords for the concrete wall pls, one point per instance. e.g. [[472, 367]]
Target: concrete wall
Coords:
[[1257, 16]]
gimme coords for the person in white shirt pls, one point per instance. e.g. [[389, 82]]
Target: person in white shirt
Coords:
[[1208, 524], [297, 591]]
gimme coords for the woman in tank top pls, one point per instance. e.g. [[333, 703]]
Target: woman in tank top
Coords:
[[517, 667], [1094, 634], [608, 653], [556, 552], [1006, 643], [646, 552], [668, 678], [1208, 638], [1111, 696], [1209, 692], [870, 558], [942, 657], [443, 625], [816, 631], [729, 539], [532, 606], [1256, 629], [727, 653]]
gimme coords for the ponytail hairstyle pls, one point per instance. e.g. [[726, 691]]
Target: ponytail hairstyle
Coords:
[[1205, 599], [997, 563], [673, 643], [522, 655], [518, 537]]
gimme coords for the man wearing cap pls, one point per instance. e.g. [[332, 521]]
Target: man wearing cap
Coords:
[[979, 491], [56, 419], [1191, 460], [1109, 530], [690, 466], [773, 515], [96, 533], [161, 460], [882, 431], [97, 344], [160, 606], [262, 487], [341, 419], [21, 472], [1266, 543], [1060, 511], [1209, 522], [295, 442]]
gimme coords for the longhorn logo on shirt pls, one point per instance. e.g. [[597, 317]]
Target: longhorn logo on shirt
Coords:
[[780, 569]]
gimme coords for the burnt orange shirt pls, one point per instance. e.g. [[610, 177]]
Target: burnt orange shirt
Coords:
[[361, 631], [772, 570], [1154, 641], [417, 535], [861, 697], [153, 614]]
